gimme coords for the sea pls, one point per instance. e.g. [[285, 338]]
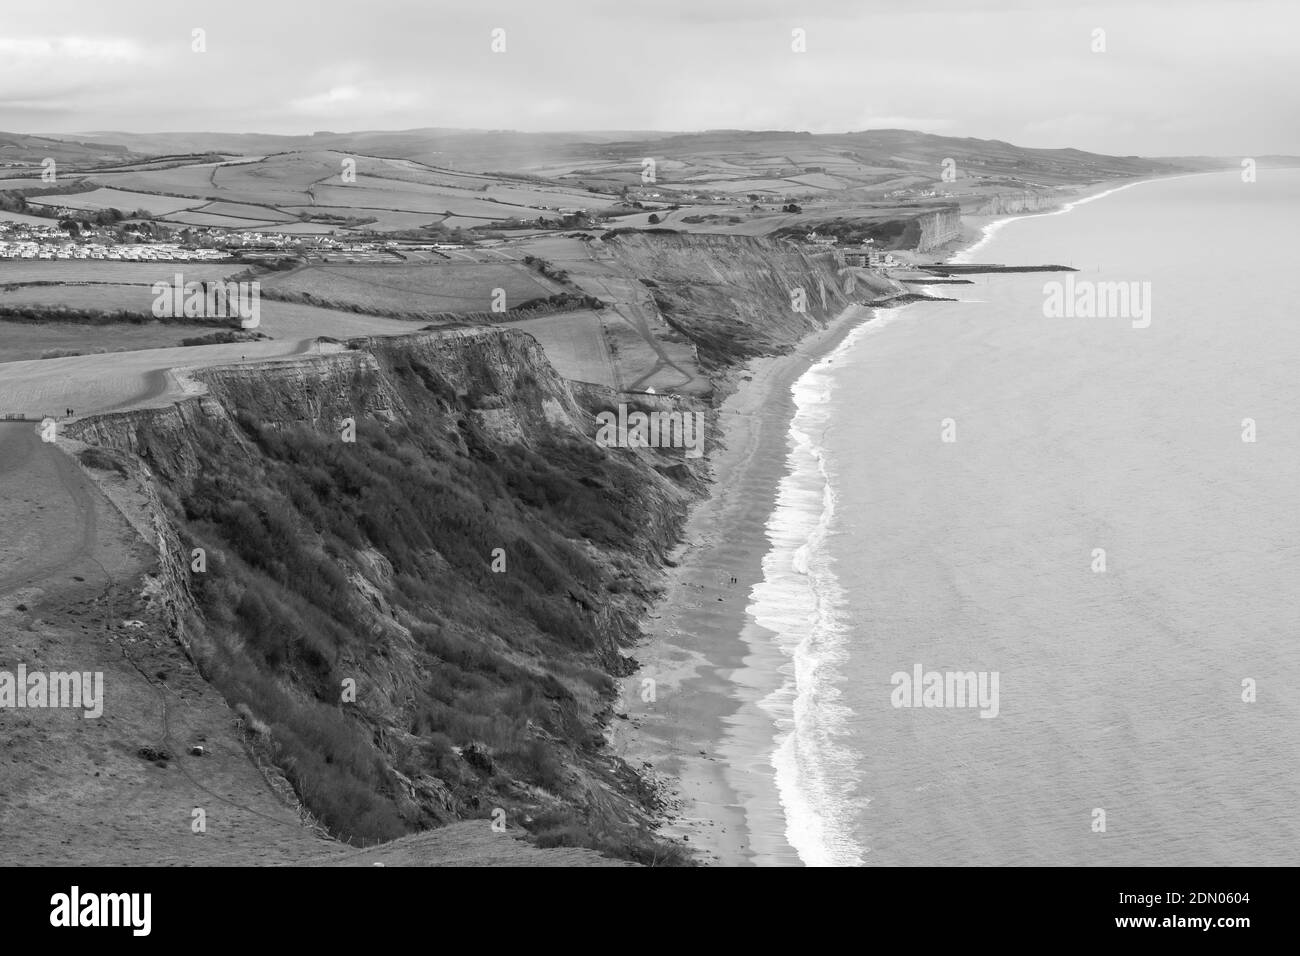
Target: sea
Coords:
[[1091, 514]]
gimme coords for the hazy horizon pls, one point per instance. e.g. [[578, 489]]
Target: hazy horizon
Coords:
[[612, 135], [1164, 79]]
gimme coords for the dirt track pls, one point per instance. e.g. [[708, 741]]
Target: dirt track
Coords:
[[46, 510], [75, 789], [90, 384]]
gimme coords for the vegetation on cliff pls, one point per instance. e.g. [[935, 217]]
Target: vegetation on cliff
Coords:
[[482, 676], [734, 297]]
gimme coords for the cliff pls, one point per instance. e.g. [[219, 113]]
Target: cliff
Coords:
[[927, 227], [734, 297], [413, 571], [1014, 202], [935, 228], [420, 620]]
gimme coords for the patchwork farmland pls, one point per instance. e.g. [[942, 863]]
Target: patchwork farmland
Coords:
[[285, 188]]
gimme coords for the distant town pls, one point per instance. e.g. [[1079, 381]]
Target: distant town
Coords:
[[21, 240]]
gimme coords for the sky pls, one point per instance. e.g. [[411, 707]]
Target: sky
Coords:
[[1161, 78]]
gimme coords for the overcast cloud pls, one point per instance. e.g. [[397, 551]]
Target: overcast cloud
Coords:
[[1175, 78]]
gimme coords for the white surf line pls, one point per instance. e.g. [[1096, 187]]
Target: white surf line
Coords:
[[992, 229]]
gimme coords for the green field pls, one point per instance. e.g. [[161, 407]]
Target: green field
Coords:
[[401, 194], [120, 273], [190, 218], [383, 220], [110, 298], [117, 199], [413, 287], [245, 211], [279, 320], [575, 344], [182, 180], [6, 216], [20, 341]]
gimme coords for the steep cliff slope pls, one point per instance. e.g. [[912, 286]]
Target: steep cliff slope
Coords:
[[412, 569], [413, 572], [734, 297]]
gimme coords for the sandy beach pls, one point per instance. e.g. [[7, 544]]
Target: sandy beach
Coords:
[[698, 726], [690, 715]]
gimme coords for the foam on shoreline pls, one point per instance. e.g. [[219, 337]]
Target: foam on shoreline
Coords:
[[744, 711], [991, 229], [706, 733], [744, 725], [797, 606]]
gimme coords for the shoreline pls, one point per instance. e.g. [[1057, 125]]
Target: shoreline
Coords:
[[704, 736], [978, 231]]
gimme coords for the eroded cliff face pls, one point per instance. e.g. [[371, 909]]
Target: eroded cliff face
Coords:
[[935, 228], [420, 574], [735, 297], [1018, 201]]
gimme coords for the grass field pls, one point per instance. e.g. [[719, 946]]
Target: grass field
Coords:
[[187, 218], [24, 183], [245, 211], [117, 199], [414, 287], [132, 298], [466, 222], [575, 344], [398, 193], [184, 180], [291, 320], [413, 200], [122, 273], [384, 220], [88, 383], [20, 341], [24, 218], [300, 228], [280, 320]]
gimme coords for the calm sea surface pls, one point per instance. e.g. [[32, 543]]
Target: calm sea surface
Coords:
[[1119, 690]]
